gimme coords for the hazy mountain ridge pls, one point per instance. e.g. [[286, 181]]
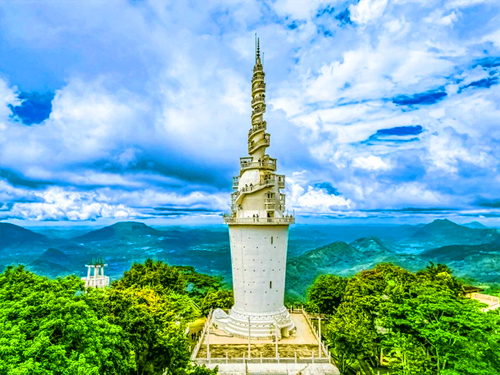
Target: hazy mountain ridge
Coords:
[[312, 249], [445, 232], [12, 235], [119, 232]]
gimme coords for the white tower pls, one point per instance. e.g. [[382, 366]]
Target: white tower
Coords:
[[258, 230]]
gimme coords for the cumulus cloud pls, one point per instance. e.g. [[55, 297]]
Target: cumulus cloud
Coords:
[[392, 104]]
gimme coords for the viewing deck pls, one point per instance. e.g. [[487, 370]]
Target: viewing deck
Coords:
[[247, 163], [261, 109], [257, 128], [259, 220], [261, 86], [265, 142]]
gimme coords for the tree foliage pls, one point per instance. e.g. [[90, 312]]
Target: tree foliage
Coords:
[[326, 294], [223, 299], [136, 326], [420, 322], [46, 328]]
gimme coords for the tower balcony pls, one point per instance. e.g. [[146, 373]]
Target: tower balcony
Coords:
[[258, 99], [258, 77], [264, 142], [270, 203], [281, 181], [258, 68], [236, 182], [260, 86], [257, 111], [257, 128], [233, 220], [238, 195], [268, 164]]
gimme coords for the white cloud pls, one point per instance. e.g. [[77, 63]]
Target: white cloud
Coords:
[[314, 200], [370, 163], [155, 104], [367, 10]]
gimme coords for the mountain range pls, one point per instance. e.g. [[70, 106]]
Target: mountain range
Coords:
[[471, 250]]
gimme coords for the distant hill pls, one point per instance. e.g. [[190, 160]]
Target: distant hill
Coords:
[[14, 235], [46, 268], [55, 256], [475, 224], [119, 232], [338, 258], [445, 232], [475, 262], [371, 245]]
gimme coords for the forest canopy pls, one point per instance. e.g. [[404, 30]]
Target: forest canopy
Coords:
[[411, 323], [136, 326]]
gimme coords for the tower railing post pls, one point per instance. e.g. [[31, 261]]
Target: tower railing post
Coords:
[[319, 336], [249, 335]]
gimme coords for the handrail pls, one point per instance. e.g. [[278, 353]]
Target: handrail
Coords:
[[259, 110], [256, 128], [259, 77], [259, 220], [258, 99], [266, 164], [261, 85], [252, 146]]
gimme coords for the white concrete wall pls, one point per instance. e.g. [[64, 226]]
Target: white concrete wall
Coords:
[[259, 267]]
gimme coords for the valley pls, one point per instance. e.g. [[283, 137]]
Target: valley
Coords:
[[472, 251]]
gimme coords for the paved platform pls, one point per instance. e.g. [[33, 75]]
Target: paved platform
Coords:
[[303, 336], [297, 355]]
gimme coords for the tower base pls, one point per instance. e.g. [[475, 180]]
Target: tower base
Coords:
[[256, 325]]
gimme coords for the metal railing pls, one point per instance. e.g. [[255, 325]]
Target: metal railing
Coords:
[[258, 77], [259, 110], [323, 353], [220, 361], [259, 86], [281, 181], [265, 142], [257, 128], [258, 99], [264, 164], [204, 331], [259, 220], [250, 188]]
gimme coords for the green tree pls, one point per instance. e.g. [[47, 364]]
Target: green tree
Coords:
[[457, 336], [199, 284], [352, 335], [154, 324], [223, 299], [155, 275], [326, 294], [46, 328], [421, 322]]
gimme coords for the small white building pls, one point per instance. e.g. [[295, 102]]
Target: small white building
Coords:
[[95, 275]]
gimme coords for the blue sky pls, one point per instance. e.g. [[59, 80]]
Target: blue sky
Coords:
[[379, 110]]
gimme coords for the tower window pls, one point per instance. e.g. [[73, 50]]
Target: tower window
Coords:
[[271, 240], [270, 284]]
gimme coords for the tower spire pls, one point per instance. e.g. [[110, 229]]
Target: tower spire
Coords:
[[257, 55], [258, 217]]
